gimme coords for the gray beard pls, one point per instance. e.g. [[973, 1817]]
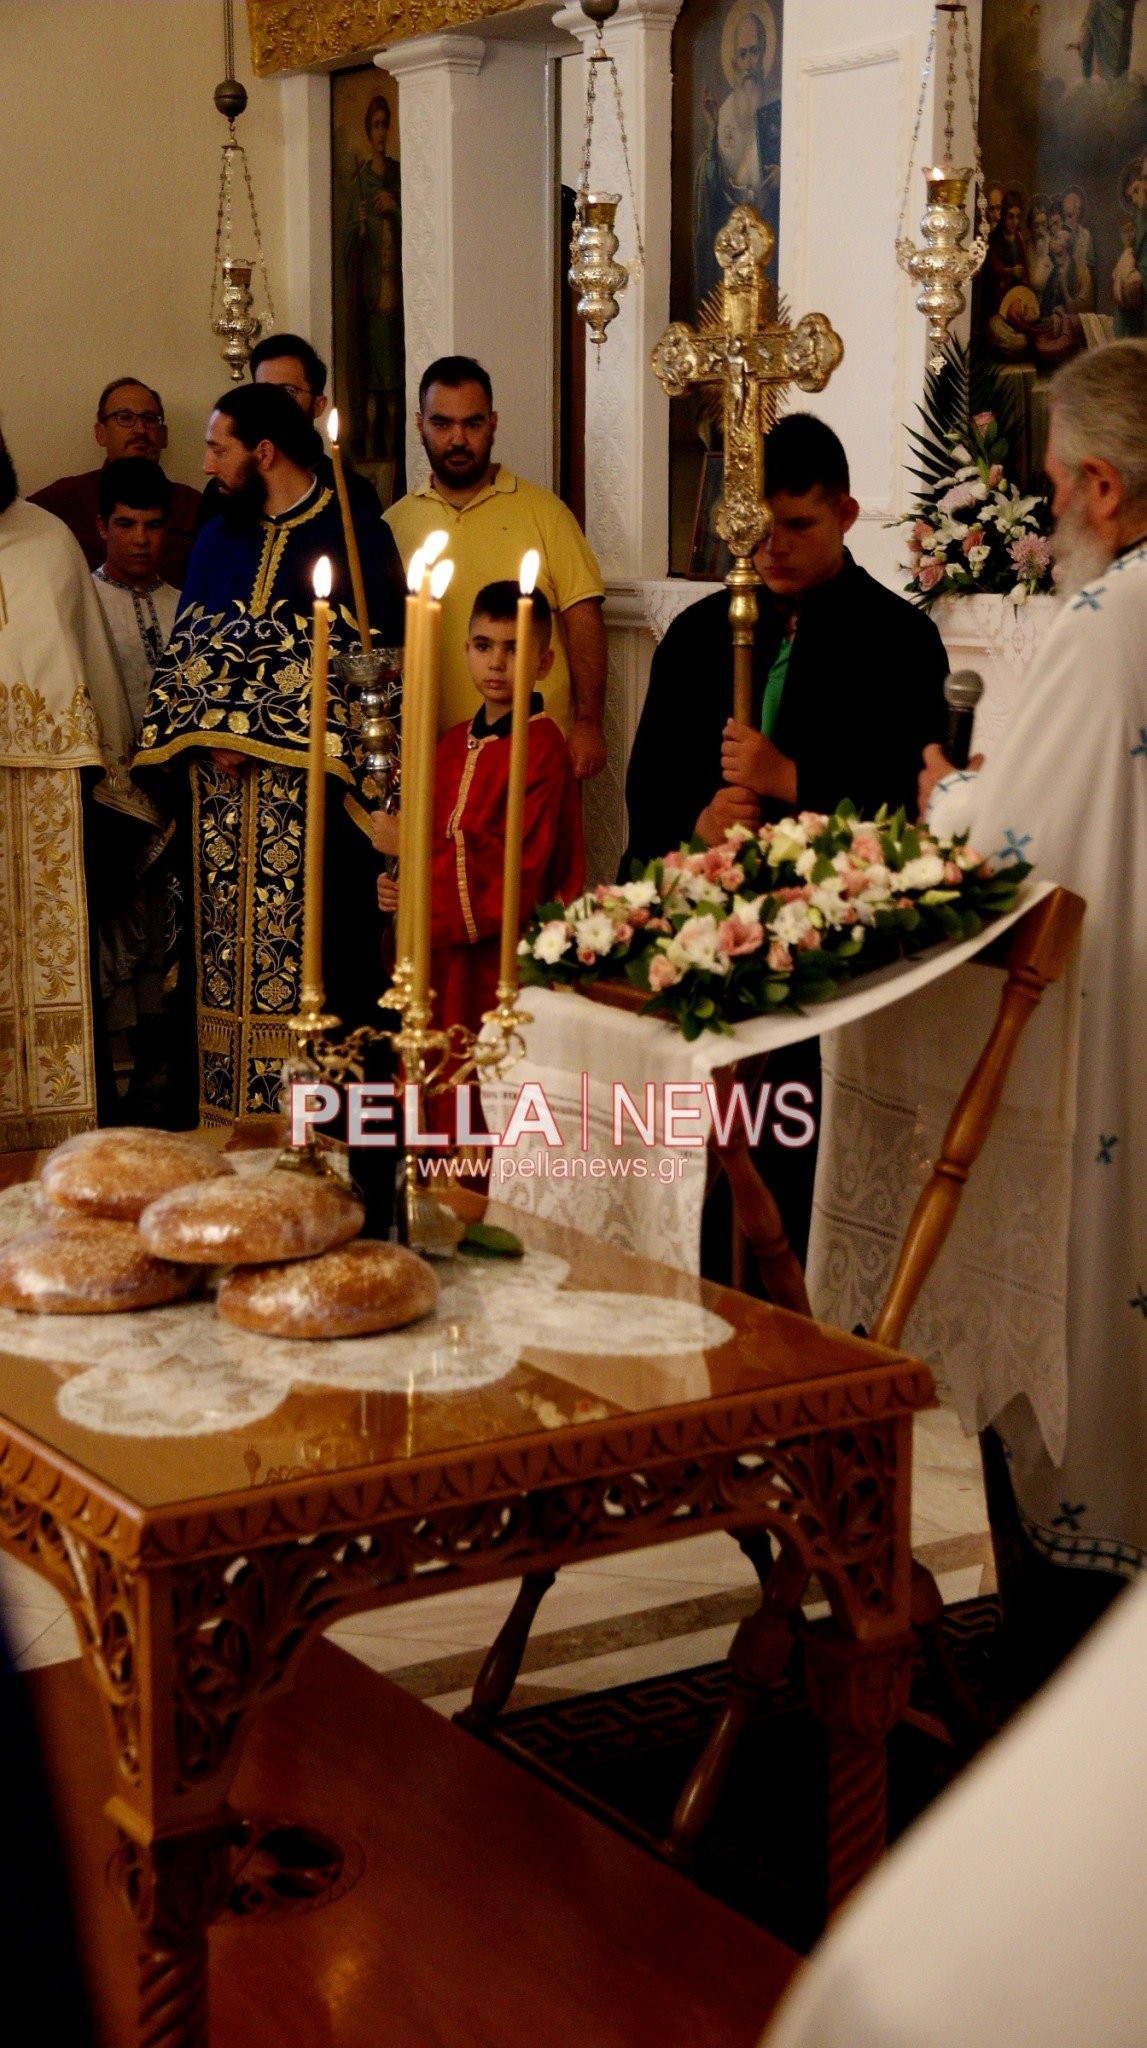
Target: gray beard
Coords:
[[1080, 556]]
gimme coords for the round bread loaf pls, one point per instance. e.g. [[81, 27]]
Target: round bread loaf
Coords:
[[116, 1173], [283, 1214], [86, 1265], [361, 1287]]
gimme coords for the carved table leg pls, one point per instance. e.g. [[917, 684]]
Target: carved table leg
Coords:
[[754, 1204], [174, 1887], [758, 1654], [503, 1660], [860, 1691]]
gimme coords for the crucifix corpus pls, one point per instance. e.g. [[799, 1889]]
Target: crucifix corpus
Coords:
[[752, 357]]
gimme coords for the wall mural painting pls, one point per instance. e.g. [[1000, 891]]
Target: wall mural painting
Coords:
[[726, 153], [366, 244], [1063, 131]]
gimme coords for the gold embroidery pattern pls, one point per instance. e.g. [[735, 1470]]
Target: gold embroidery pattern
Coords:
[[29, 731], [454, 832], [248, 836], [47, 1063], [288, 33], [242, 681]]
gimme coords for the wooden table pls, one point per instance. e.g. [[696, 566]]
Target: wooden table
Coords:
[[199, 1569]]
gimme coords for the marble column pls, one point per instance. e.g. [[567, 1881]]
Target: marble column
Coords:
[[477, 228], [627, 414]]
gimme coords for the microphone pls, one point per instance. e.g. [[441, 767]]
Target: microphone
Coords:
[[962, 693]]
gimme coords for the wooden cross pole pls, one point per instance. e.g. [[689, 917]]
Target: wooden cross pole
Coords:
[[751, 356]]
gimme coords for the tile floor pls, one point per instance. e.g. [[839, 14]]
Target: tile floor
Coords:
[[603, 1623]]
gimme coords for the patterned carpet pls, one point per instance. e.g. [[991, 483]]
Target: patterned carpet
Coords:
[[626, 1753]]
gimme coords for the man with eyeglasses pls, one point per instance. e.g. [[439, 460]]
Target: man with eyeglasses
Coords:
[[129, 421], [299, 370]]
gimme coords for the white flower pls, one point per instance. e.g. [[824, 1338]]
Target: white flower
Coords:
[[828, 898], [788, 842], [971, 492], [594, 934], [638, 895], [697, 889], [552, 941], [925, 873], [695, 945], [877, 882], [791, 923], [977, 557], [806, 862], [747, 907]]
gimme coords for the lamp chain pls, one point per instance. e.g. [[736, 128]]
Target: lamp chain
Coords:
[[597, 56], [925, 75]]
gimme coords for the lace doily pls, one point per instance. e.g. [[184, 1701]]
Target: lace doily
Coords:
[[183, 1371]]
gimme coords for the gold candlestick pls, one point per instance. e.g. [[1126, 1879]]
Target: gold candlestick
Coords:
[[525, 670], [349, 535]]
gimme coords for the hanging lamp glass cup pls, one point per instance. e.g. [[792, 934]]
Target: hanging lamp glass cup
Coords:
[[593, 272]]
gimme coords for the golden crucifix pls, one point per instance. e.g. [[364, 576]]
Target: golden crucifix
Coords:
[[752, 357]]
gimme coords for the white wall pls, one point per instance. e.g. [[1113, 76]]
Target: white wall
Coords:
[[851, 84], [109, 168]]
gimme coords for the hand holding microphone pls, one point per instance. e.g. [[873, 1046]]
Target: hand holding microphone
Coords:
[[962, 692]]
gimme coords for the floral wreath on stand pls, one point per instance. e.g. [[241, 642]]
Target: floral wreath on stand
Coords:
[[973, 532]]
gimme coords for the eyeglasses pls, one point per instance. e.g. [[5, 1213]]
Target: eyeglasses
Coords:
[[297, 391], [129, 419]]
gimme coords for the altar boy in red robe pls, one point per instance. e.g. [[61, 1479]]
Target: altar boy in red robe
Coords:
[[471, 778]]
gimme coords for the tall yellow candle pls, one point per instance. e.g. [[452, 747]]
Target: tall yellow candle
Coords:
[[426, 742], [411, 684], [349, 535], [312, 989], [525, 671]]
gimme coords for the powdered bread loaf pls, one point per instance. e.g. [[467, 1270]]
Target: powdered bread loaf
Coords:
[[116, 1173], [86, 1265], [249, 1222], [360, 1288]]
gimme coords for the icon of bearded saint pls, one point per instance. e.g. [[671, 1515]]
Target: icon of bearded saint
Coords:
[[741, 162]]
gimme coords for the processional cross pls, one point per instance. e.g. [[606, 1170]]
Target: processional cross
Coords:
[[752, 357]]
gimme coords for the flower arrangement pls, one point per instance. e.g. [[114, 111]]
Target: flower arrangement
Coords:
[[972, 530], [769, 919]]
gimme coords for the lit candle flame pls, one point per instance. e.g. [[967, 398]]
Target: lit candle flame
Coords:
[[528, 573], [416, 571], [323, 576], [433, 545], [333, 425], [440, 579]]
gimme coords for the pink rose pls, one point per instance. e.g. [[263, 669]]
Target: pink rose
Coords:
[[639, 917], [996, 475], [983, 420], [660, 924], [930, 575], [674, 860], [972, 539], [866, 846], [697, 863], [587, 958], [623, 934], [662, 973], [731, 877], [814, 822], [738, 936], [792, 895], [952, 875], [809, 941], [922, 532], [855, 881], [780, 959]]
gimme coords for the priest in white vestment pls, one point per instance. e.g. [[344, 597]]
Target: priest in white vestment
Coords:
[[1011, 1916], [1067, 790], [63, 714]]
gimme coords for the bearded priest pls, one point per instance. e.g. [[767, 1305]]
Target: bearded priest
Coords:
[[70, 820], [1067, 790], [229, 711]]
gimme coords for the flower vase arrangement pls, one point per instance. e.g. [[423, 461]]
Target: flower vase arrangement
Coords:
[[770, 919], [973, 532]]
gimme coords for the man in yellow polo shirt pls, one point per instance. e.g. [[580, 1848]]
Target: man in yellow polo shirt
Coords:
[[493, 518]]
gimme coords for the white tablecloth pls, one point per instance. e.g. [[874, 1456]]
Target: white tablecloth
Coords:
[[898, 1047]]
